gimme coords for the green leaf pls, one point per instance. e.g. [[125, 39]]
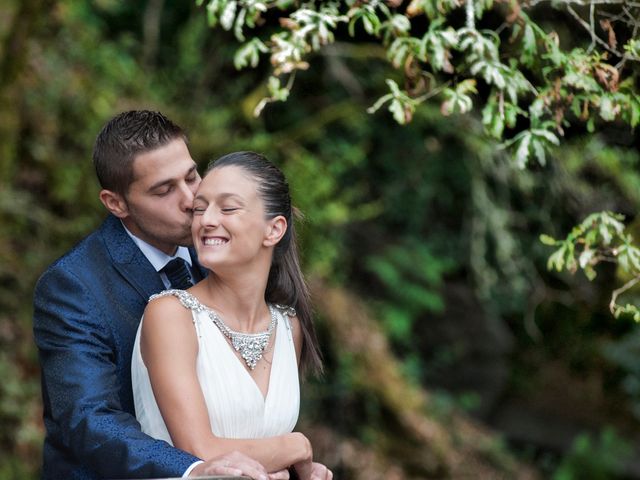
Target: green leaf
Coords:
[[400, 23], [213, 9], [608, 110], [557, 259], [249, 53], [522, 153], [585, 257], [623, 259], [228, 15], [239, 24], [397, 323], [538, 150], [284, 4], [634, 257], [529, 47], [605, 234], [491, 119], [399, 50], [397, 109]]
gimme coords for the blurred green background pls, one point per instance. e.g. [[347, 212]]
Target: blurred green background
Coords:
[[451, 351]]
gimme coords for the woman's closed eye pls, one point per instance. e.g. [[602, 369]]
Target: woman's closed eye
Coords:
[[198, 209]]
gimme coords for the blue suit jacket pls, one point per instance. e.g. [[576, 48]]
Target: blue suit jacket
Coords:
[[87, 307]]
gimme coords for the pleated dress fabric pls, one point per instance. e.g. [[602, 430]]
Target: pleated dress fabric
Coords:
[[236, 406]]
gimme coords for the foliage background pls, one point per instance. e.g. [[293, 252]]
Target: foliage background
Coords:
[[450, 348]]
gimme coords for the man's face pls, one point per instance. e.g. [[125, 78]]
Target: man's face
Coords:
[[160, 198]]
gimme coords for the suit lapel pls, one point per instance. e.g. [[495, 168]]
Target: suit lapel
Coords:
[[129, 260]]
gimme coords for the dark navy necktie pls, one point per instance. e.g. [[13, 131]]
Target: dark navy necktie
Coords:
[[178, 274]]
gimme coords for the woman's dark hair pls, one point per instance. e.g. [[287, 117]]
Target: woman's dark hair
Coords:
[[123, 138], [286, 284]]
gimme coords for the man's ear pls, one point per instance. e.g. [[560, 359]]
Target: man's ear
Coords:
[[115, 203], [276, 229]]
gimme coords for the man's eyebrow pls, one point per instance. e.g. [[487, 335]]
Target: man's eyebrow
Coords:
[[162, 183]]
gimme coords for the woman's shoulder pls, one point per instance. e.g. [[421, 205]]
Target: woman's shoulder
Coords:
[[167, 325], [170, 304], [176, 297]]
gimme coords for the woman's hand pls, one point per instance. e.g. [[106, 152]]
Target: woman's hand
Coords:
[[281, 475], [302, 446], [313, 471], [320, 472]]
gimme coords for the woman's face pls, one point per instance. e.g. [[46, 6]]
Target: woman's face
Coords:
[[229, 226]]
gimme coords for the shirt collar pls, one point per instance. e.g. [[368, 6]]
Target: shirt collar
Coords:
[[157, 257]]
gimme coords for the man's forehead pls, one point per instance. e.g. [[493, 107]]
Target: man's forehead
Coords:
[[162, 163]]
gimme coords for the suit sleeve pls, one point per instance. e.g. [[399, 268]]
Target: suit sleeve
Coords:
[[81, 387]]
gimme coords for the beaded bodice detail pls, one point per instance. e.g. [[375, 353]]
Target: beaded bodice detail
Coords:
[[250, 346]]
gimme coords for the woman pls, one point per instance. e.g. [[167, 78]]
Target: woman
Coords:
[[215, 368]]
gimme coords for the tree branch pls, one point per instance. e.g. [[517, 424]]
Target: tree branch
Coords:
[[592, 29], [584, 3], [616, 293], [602, 43], [471, 21]]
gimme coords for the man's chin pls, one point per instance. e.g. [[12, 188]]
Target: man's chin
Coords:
[[187, 242]]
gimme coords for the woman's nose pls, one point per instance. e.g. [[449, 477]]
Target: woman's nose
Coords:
[[210, 216]]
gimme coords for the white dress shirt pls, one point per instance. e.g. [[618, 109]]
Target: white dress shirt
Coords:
[[158, 258]]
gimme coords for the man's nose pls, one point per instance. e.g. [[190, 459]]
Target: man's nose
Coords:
[[186, 194]]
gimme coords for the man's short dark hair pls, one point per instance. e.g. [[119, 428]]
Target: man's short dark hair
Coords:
[[123, 138]]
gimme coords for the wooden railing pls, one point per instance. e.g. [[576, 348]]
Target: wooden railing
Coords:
[[208, 477]]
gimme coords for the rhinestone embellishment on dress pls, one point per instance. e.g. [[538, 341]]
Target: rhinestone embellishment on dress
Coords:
[[250, 346]]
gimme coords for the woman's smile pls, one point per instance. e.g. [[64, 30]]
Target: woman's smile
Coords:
[[215, 241]]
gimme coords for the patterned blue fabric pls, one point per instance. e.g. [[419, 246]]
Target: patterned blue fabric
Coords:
[[87, 307]]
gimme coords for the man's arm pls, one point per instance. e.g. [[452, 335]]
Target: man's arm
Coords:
[[83, 411]]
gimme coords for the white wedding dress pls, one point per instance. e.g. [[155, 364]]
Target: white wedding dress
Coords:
[[236, 406]]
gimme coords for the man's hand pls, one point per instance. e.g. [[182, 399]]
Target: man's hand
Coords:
[[234, 464]]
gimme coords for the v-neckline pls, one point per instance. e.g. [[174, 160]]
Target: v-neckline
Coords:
[[240, 361], [193, 302]]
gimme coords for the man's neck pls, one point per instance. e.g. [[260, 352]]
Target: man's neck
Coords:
[[157, 257]]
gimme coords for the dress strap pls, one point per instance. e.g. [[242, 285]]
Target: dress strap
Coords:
[[287, 311], [186, 299]]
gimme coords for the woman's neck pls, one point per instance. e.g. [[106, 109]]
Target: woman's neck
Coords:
[[239, 299]]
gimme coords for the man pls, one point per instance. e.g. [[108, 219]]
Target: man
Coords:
[[88, 304]]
